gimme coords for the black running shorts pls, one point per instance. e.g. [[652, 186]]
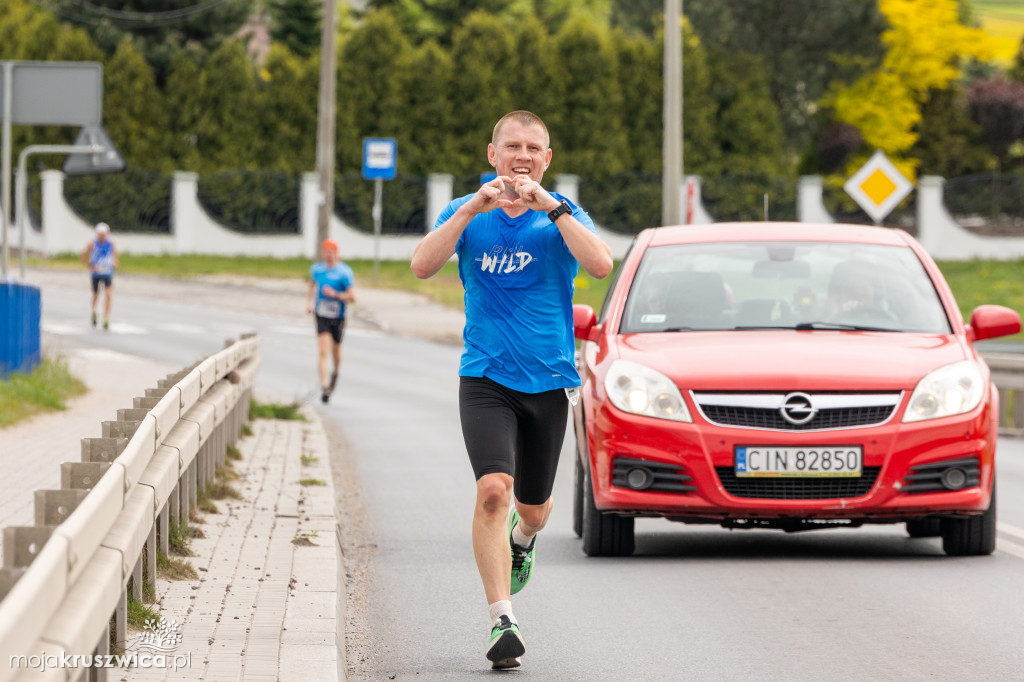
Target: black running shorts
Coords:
[[514, 433], [106, 280], [335, 326]]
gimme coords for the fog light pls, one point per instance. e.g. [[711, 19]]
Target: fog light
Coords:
[[954, 478], [639, 478]]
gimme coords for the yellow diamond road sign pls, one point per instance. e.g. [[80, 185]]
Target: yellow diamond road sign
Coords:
[[878, 187]]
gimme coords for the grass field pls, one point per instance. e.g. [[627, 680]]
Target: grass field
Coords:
[[1004, 21]]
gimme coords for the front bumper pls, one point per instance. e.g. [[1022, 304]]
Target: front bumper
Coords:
[[698, 460]]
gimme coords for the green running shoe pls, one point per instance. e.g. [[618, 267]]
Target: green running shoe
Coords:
[[522, 557], [506, 645]]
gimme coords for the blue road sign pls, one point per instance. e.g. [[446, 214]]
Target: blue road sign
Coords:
[[380, 158]]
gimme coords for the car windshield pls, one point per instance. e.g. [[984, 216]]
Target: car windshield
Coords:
[[782, 285]]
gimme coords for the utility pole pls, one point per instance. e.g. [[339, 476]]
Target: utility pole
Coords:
[[672, 107], [326, 119]]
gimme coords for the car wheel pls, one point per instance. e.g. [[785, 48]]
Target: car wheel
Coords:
[[928, 527], [577, 499], [973, 535], [604, 534]]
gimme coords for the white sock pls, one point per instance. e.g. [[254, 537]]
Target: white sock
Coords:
[[499, 609], [519, 537]]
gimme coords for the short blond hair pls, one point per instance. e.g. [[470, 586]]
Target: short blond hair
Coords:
[[521, 117]]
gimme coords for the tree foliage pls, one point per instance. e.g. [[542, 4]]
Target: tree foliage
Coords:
[[160, 28], [802, 46], [437, 74], [590, 142], [483, 61], [295, 24], [997, 105], [1016, 71], [926, 45], [135, 111], [370, 97]]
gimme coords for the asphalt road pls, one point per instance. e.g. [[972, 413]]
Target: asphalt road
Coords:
[[693, 603]]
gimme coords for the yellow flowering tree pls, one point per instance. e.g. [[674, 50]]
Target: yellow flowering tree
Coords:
[[925, 47]]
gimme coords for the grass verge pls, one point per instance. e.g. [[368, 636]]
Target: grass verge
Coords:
[[259, 410], [44, 389], [173, 568], [139, 612]]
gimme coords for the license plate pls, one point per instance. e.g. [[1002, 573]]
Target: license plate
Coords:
[[771, 461]]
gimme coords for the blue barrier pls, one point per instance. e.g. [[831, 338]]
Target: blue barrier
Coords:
[[19, 328]]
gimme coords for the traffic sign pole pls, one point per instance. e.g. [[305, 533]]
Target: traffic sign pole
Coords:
[[380, 162], [8, 69], [378, 212]]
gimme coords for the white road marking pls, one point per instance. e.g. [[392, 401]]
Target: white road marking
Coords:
[[1010, 548], [351, 331], [175, 328], [1010, 530], [102, 354], [295, 331], [62, 329], [125, 328]]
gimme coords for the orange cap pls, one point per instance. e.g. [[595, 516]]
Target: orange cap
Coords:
[[330, 244]]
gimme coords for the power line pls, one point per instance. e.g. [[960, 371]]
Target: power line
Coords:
[[85, 12]]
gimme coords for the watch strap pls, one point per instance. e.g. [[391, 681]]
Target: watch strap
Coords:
[[562, 208]]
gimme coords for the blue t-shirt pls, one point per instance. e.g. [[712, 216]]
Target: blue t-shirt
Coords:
[[518, 275], [339, 278], [101, 258]]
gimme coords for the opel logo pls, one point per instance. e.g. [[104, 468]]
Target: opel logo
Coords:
[[797, 408]]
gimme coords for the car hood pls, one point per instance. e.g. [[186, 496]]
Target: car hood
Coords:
[[792, 360]]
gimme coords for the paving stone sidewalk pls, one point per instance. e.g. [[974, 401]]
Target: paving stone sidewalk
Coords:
[[268, 601]]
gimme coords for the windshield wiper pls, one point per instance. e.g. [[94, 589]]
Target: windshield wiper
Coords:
[[805, 326]]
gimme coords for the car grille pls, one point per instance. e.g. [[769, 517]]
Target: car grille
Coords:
[[816, 488], [765, 411]]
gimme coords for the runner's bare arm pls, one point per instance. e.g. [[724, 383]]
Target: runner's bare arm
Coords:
[[309, 296]]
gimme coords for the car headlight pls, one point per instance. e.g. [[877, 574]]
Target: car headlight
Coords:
[[947, 391], [638, 389]]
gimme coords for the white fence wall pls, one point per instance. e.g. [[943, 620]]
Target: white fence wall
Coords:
[[193, 231]]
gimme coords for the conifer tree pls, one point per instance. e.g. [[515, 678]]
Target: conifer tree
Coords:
[[590, 136], [423, 139], [482, 57], [134, 111]]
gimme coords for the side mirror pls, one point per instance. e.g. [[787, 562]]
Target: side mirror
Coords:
[[584, 322], [993, 321]]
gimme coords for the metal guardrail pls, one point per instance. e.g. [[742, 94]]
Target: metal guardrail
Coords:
[[1008, 375], [65, 578]]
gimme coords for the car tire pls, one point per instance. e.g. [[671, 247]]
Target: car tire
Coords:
[[928, 527], [972, 535], [577, 498], [604, 534]]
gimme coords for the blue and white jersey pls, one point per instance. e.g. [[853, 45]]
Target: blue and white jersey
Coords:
[[101, 258], [519, 276], [339, 278]]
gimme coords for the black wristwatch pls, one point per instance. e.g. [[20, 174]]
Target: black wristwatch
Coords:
[[562, 209]]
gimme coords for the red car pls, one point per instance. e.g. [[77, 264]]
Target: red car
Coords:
[[791, 376]]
